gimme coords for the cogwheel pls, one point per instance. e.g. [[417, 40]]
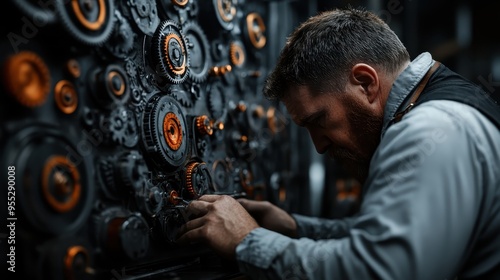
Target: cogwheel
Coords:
[[27, 78], [217, 102], [198, 179], [133, 171], [164, 132], [145, 15], [182, 97], [122, 38], [237, 54], [122, 127], [199, 52], [171, 56], [89, 22]]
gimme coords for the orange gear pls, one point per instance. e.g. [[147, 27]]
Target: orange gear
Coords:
[[204, 125], [178, 70], [27, 78], [226, 10], [65, 96], [237, 54], [256, 28], [189, 177], [172, 131], [74, 257], [62, 186], [90, 25]]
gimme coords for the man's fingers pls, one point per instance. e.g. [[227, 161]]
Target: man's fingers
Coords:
[[192, 235], [209, 197], [197, 208]]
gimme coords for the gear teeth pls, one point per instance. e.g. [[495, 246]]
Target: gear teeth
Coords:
[[159, 50], [71, 27], [200, 37]]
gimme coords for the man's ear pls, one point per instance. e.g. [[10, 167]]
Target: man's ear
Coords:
[[367, 78]]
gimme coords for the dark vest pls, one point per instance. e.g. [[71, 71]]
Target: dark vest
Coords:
[[445, 84]]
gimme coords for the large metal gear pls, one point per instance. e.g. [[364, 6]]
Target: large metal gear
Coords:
[[170, 53], [52, 190], [181, 96], [145, 15], [164, 132], [199, 52], [122, 39], [90, 22]]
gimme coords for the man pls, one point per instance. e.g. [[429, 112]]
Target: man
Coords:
[[431, 182]]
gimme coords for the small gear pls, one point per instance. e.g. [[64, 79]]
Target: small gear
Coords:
[[65, 96], [217, 101], [181, 96], [198, 179], [122, 127], [132, 171], [171, 56], [27, 78], [145, 15], [122, 38], [90, 22], [111, 87], [222, 175], [237, 53], [199, 52], [255, 30]]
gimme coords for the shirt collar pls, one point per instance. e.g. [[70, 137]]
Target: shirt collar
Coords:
[[404, 85]]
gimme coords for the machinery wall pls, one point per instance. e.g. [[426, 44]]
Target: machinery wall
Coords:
[[115, 114]]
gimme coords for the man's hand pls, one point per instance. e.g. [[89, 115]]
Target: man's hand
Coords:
[[271, 217], [220, 221]]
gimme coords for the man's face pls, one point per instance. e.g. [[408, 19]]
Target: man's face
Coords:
[[340, 124]]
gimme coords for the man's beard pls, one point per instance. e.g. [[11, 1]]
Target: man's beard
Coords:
[[366, 128]]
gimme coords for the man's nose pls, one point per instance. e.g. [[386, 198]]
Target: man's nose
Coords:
[[319, 139]]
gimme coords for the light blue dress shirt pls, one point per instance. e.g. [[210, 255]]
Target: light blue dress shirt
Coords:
[[431, 206]]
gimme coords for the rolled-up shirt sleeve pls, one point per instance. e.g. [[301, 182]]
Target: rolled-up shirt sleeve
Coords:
[[420, 207]]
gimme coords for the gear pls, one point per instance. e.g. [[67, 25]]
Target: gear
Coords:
[[225, 11], [203, 125], [237, 53], [90, 22], [65, 96], [145, 15], [199, 52], [198, 179], [27, 78], [171, 52], [217, 102], [52, 188], [164, 132], [106, 177], [122, 127], [122, 38], [222, 178], [181, 96], [254, 30], [111, 87]]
